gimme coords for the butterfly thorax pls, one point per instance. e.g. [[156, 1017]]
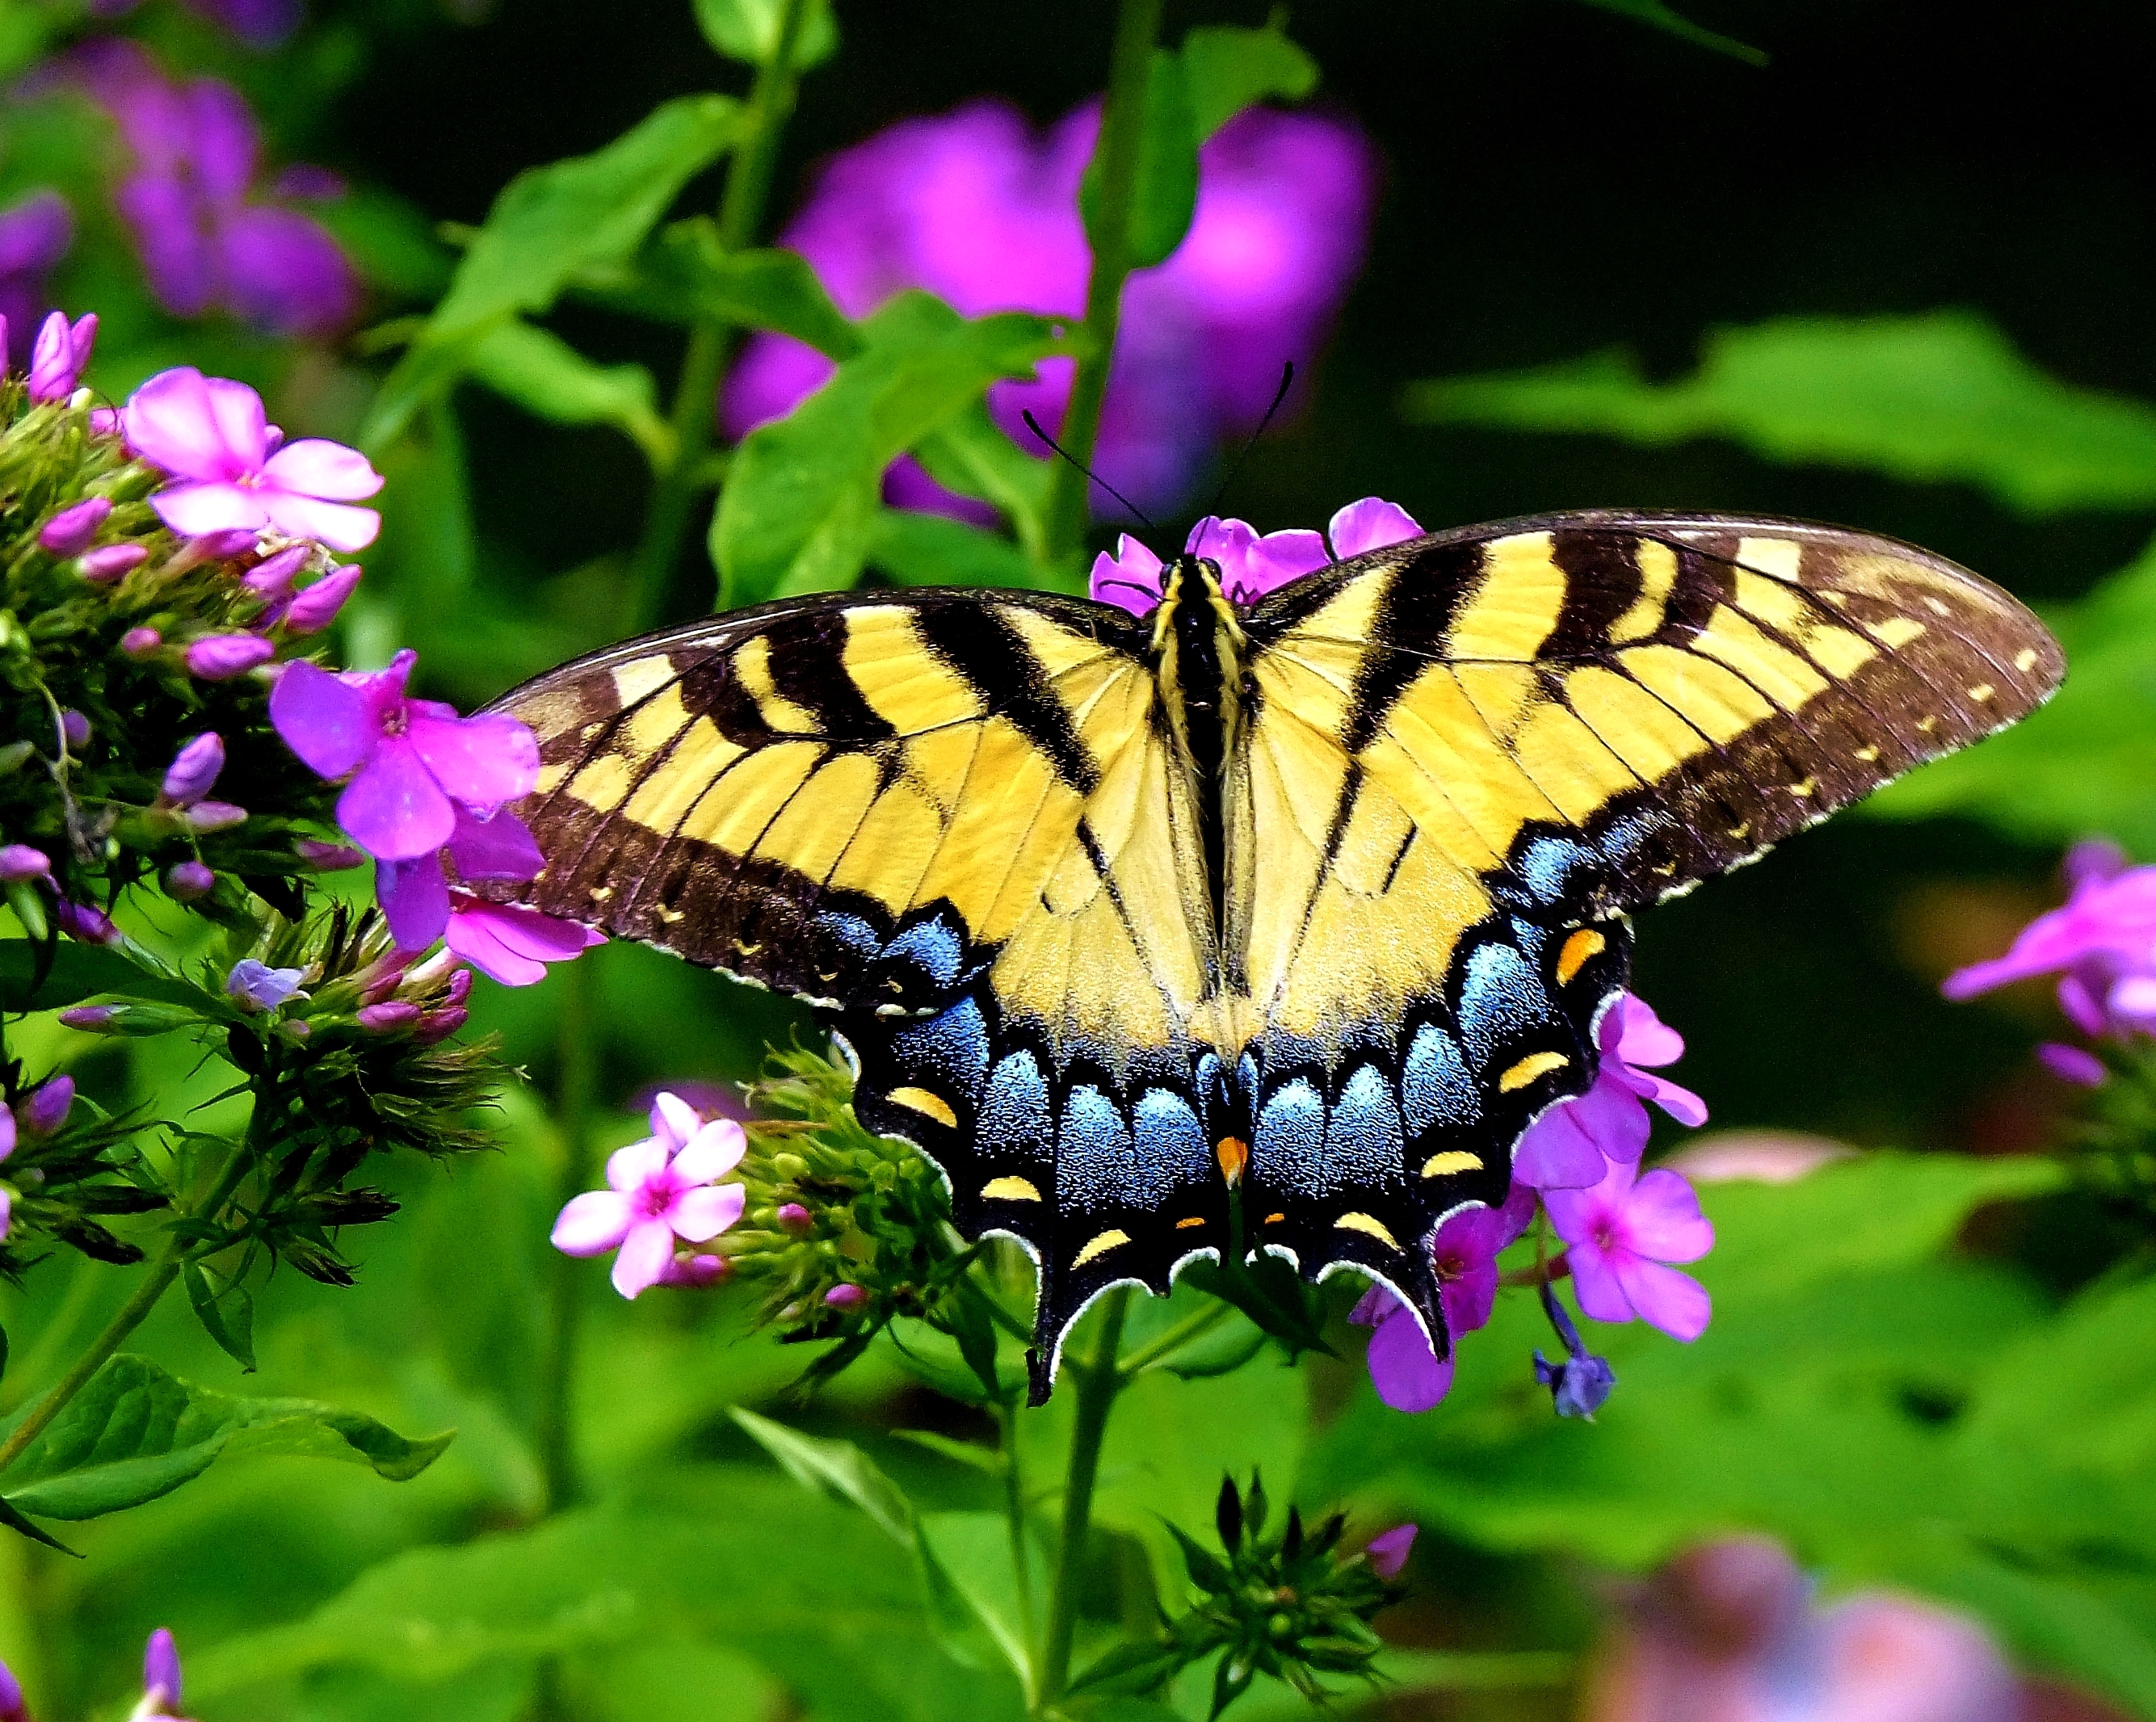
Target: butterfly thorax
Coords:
[[1198, 647]]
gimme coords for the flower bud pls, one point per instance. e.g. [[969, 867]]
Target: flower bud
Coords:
[[136, 1020], [104, 566], [14, 757], [139, 643], [91, 1019], [194, 769], [187, 880], [19, 862], [104, 422], [313, 610], [440, 1025], [215, 816], [793, 1217], [694, 1272], [272, 577], [848, 1296], [219, 657], [75, 728], [74, 530], [45, 1109], [1387, 1552], [393, 1014], [161, 1672], [59, 355], [221, 547], [460, 989], [328, 858], [296, 1029], [80, 921]]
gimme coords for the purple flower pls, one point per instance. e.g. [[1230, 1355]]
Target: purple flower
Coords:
[[74, 530], [210, 434], [411, 761], [1403, 1366], [84, 924], [313, 610], [1387, 1552], [46, 1107], [974, 207], [204, 240], [1250, 564], [1620, 1233], [272, 577], [35, 234], [661, 1188], [514, 945], [328, 858], [19, 862], [1580, 1382], [1570, 1145], [161, 1675], [220, 657], [140, 643], [257, 986], [110, 563], [60, 354], [414, 894], [688, 1268], [206, 816], [194, 771], [75, 729], [186, 881]]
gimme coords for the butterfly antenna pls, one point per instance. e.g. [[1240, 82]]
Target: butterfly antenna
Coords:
[[1279, 394], [1033, 424]]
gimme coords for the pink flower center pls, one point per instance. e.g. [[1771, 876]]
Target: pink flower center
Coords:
[[1606, 1235], [655, 1198]]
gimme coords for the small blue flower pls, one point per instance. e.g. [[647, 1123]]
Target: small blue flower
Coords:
[[1579, 1384], [259, 987]]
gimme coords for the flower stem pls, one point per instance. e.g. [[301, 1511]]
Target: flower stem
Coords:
[[1122, 135], [140, 1302], [687, 475], [1014, 1512], [1097, 1381], [554, 1433], [1159, 1350]]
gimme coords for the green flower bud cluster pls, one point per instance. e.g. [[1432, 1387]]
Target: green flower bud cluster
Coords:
[[1289, 1605]]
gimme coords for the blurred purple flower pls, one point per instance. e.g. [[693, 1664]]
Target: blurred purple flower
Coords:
[[46, 1107], [1569, 1145], [35, 232], [1387, 1552], [2101, 943], [260, 23], [74, 530], [75, 728], [138, 642], [411, 762], [20, 861], [257, 986], [60, 354], [214, 815], [1620, 1233], [85, 924], [846, 1296], [220, 657], [661, 1188], [204, 243], [1404, 1368], [976, 208], [185, 881], [1250, 564], [111, 562], [209, 433], [160, 1676]]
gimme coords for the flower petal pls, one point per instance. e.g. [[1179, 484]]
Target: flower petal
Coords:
[[1404, 1369], [323, 719], [194, 510], [1557, 1154], [1662, 1220], [316, 466], [1130, 579], [475, 934], [481, 761], [1250, 566], [711, 1151], [1595, 1279], [591, 1224], [500, 937], [1370, 524], [1637, 1035], [337, 524], [2069, 1063], [645, 1254], [1662, 1297], [629, 1169], [173, 421], [501, 848], [393, 809], [414, 899], [703, 1213]]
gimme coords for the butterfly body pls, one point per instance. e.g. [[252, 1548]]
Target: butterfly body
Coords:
[[1249, 926]]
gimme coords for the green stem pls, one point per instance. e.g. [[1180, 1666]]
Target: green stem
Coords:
[[1166, 1345], [140, 1302], [1097, 1382], [1122, 135], [554, 1434], [687, 476], [1014, 1512]]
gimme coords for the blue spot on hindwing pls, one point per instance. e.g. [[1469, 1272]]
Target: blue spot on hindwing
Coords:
[[1435, 1086], [934, 947], [950, 1051], [1092, 1153], [1170, 1146], [1364, 1142], [850, 931], [1290, 1148], [1501, 998], [1015, 1119]]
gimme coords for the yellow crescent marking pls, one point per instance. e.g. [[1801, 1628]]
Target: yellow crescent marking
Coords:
[[921, 1100], [1194, 1220], [1274, 1219], [2025, 660], [1233, 1154], [1010, 1190], [641, 676], [1896, 632], [1453, 1160], [1364, 1223], [1803, 791], [1868, 754], [1099, 1246], [1583, 945], [1527, 1070], [1982, 691]]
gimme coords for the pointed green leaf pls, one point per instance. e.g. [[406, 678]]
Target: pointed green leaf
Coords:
[[225, 1310], [1166, 195], [550, 379], [136, 1433], [78, 972], [1658, 15], [1228, 67], [685, 275]]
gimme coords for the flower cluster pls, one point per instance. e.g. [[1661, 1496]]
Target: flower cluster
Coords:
[[35, 232], [1289, 1605], [975, 208]]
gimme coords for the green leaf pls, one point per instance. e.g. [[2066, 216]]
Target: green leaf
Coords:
[[78, 972], [932, 550], [550, 379], [1165, 196], [1657, 15], [971, 455], [226, 1310], [12, 1517], [685, 275], [1939, 398], [550, 225], [1228, 67], [839, 1466], [747, 30], [800, 510], [135, 1433]]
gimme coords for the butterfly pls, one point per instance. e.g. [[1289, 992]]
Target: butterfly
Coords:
[[1248, 927]]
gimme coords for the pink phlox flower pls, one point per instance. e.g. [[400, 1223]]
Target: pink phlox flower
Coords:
[[1403, 1366], [662, 1188], [1251, 565], [511, 944], [60, 354], [209, 434], [414, 894], [1621, 1233], [411, 762], [1569, 1145]]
